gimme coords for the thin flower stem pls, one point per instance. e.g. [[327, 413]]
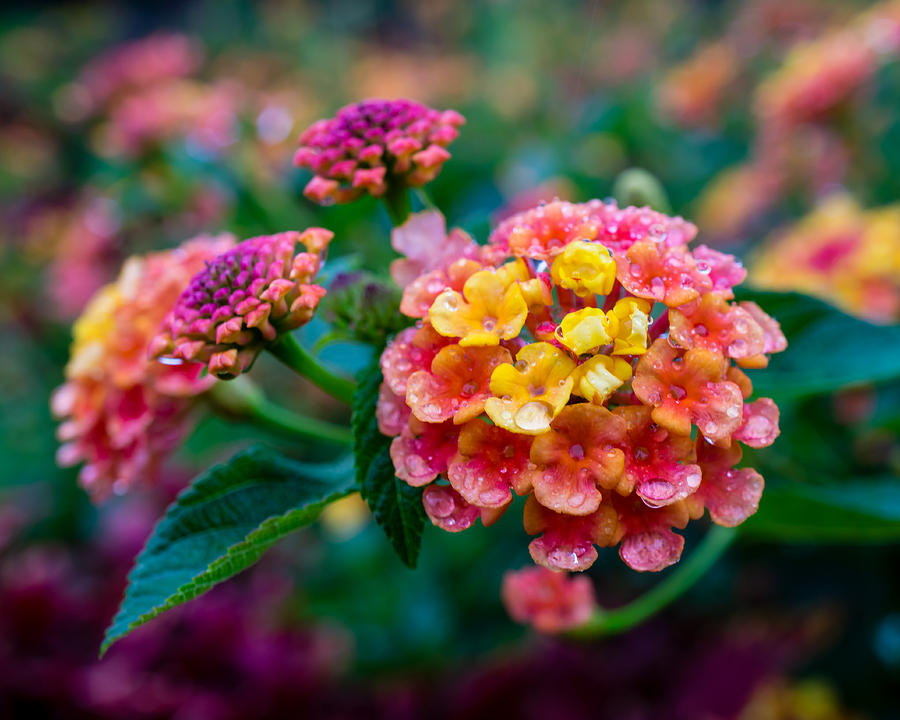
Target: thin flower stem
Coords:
[[612, 622], [396, 201], [241, 399], [268, 415], [292, 354]]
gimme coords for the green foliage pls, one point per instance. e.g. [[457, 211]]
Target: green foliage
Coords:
[[221, 525], [396, 505], [827, 349], [361, 307], [867, 511]]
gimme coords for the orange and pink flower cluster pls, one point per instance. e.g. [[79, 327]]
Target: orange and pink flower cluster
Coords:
[[243, 299], [123, 413], [373, 145], [587, 359], [840, 252]]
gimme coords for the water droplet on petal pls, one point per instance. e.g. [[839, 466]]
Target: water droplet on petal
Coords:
[[533, 416]]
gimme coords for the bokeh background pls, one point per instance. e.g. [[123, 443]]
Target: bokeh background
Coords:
[[765, 126]]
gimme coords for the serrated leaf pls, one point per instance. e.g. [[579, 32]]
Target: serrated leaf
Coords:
[[819, 338], [864, 511], [221, 525], [396, 506]]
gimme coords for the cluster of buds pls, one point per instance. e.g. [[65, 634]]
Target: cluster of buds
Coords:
[[587, 359], [123, 413], [242, 300], [839, 252], [373, 145]]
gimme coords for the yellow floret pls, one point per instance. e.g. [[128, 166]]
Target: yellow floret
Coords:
[[600, 377], [529, 394], [585, 268], [634, 319], [587, 328]]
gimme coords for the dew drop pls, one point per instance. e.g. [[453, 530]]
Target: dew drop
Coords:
[[533, 416], [655, 490]]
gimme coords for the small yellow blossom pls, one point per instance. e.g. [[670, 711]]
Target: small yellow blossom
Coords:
[[91, 330], [529, 394], [600, 377], [491, 308], [586, 268], [634, 320], [537, 294], [588, 328]]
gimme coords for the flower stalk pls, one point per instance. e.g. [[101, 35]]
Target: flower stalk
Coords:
[[292, 354], [684, 577], [397, 202], [241, 398]]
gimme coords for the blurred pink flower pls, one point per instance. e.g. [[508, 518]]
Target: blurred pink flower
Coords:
[[138, 64], [123, 413], [549, 601]]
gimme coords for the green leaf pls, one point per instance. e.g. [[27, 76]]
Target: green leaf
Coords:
[[827, 349], [867, 511], [396, 505], [221, 525]]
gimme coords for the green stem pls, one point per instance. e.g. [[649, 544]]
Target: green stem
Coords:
[[242, 399], [290, 352], [612, 622], [396, 200], [275, 417]]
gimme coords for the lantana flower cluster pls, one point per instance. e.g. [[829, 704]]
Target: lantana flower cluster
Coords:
[[243, 299], [123, 413], [587, 359], [373, 145], [840, 252]]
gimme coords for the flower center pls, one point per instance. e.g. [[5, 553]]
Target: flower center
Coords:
[[576, 452]]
